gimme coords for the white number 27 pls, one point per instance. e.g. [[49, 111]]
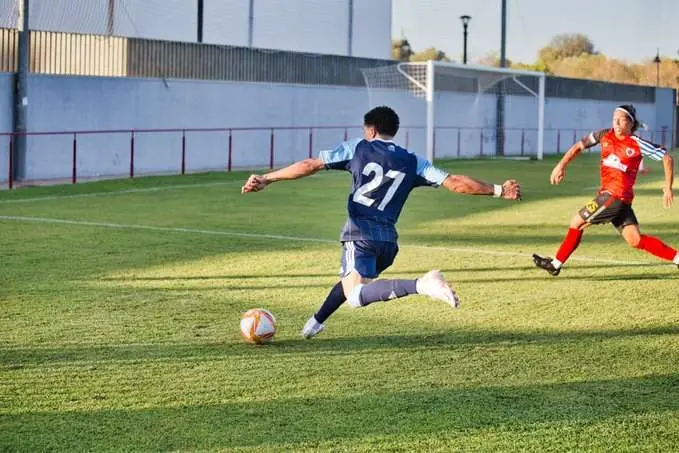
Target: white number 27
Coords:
[[376, 182]]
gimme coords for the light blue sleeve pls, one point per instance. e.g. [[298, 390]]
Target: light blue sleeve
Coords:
[[655, 152], [344, 152], [426, 170]]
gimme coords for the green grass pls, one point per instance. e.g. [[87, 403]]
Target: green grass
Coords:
[[119, 337]]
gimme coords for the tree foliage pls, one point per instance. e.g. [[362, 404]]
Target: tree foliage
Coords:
[[566, 46], [402, 51], [568, 55], [430, 54], [574, 55]]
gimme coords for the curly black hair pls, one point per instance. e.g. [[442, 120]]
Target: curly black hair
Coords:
[[384, 119]]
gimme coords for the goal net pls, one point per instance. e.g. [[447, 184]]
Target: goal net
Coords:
[[462, 111]]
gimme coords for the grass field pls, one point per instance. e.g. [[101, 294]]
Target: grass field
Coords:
[[121, 302]]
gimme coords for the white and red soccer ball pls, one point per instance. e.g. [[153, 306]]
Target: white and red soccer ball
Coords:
[[258, 325]]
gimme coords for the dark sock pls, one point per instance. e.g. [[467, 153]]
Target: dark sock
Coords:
[[383, 290], [334, 300]]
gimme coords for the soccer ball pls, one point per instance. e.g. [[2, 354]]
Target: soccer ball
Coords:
[[258, 325]]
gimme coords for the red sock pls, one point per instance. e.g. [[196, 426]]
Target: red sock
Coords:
[[657, 247], [569, 244]]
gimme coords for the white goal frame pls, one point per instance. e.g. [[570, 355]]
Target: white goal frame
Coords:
[[428, 89]]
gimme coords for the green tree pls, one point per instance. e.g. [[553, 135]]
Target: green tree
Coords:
[[430, 54], [492, 59], [401, 50], [565, 46]]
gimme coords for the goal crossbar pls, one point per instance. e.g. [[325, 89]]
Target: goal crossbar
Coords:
[[420, 79]]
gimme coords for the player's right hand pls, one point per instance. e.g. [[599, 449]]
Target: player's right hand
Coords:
[[255, 183], [511, 190], [558, 175], [668, 198]]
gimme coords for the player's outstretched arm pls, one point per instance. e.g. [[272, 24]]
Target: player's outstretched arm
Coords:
[[668, 164], [510, 189], [300, 169], [559, 171]]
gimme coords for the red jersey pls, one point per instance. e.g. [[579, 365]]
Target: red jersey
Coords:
[[620, 160]]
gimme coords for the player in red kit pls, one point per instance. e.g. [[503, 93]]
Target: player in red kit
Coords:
[[621, 157]]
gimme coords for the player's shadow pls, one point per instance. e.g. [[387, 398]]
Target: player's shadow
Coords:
[[539, 276], [627, 277], [522, 240], [102, 354], [466, 339], [231, 282], [397, 273]]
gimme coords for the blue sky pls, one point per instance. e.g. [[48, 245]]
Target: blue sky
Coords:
[[630, 30]]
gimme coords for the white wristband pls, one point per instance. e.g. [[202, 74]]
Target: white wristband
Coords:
[[497, 190]]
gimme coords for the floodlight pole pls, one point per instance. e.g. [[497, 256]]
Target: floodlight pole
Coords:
[[111, 17], [251, 22], [350, 29], [21, 94], [500, 106], [201, 16], [656, 60]]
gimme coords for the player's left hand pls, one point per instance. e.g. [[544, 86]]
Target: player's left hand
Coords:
[[668, 198], [511, 190], [255, 183], [558, 175]]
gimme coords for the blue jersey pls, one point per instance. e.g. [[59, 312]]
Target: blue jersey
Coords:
[[383, 174]]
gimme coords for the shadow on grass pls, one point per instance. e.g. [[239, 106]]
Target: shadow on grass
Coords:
[[450, 270], [456, 339], [540, 276], [285, 422], [570, 274]]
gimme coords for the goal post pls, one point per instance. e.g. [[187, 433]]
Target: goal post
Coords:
[[451, 110]]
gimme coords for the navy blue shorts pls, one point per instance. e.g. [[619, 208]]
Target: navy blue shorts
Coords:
[[369, 258]]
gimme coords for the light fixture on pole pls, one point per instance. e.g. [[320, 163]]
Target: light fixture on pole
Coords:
[[465, 23]]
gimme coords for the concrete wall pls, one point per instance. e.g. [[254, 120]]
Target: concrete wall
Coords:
[[59, 103], [465, 122]]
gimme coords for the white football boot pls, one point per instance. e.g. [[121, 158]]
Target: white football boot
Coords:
[[434, 285], [312, 328]]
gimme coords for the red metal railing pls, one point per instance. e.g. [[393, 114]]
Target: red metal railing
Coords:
[[135, 133], [556, 141]]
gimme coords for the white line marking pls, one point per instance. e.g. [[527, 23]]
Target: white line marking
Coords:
[[120, 192], [167, 229], [140, 190], [290, 238]]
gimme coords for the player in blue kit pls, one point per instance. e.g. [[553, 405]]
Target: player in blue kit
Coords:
[[383, 174]]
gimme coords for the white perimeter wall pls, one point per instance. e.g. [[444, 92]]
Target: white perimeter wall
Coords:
[[67, 103]]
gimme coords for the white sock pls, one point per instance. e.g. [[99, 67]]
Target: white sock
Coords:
[[556, 263], [676, 258], [355, 296]]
